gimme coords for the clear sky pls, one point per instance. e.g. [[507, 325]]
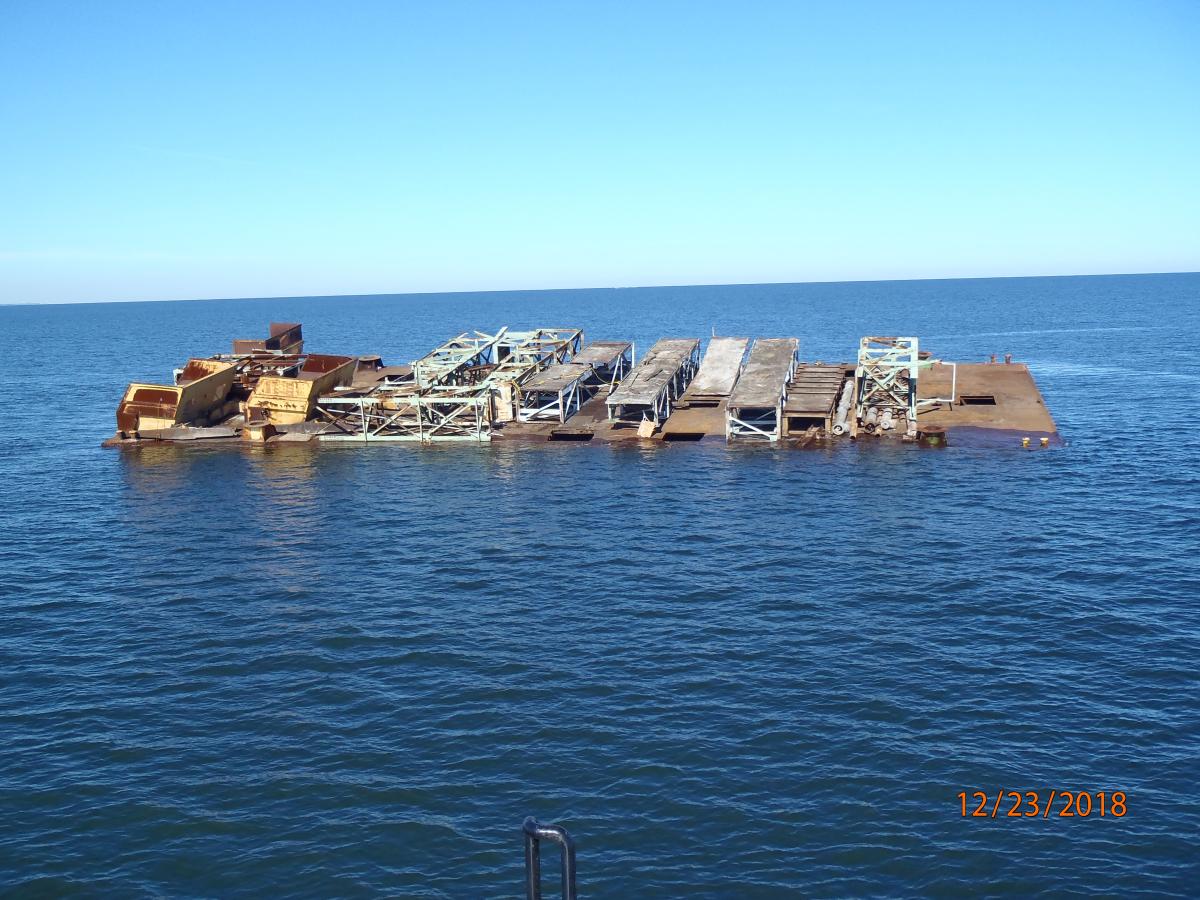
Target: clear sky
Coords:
[[165, 150]]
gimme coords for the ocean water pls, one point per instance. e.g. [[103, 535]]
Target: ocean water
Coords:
[[353, 671]]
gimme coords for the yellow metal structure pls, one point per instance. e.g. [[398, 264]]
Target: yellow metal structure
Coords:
[[203, 386], [290, 401]]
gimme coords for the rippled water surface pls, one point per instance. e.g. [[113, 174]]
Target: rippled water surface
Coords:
[[730, 673]]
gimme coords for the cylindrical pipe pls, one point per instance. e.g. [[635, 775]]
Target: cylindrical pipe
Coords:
[[842, 418], [887, 421], [870, 420]]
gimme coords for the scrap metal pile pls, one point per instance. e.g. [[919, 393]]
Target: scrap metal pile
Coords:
[[461, 390], [261, 381], [546, 384], [267, 388]]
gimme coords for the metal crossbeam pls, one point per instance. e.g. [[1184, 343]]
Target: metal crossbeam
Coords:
[[657, 381], [560, 405], [459, 390], [754, 410], [886, 380]]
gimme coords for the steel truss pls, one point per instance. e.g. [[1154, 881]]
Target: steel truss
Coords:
[[659, 408], [416, 417], [550, 405], [521, 353], [457, 361], [610, 376], [458, 392], [761, 423], [886, 381]]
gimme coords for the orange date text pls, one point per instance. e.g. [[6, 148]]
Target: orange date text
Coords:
[[1042, 804]]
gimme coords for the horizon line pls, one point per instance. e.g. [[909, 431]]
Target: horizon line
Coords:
[[631, 287]]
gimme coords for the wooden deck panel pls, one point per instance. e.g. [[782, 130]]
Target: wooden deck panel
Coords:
[[601, 354], [642, 386], [557, 378], [763, 380], [720, 368], [814, 390]]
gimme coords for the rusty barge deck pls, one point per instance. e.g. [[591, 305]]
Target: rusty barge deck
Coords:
[[547, 384]]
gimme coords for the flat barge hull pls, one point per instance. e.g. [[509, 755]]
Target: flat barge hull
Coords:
[[547, 384]]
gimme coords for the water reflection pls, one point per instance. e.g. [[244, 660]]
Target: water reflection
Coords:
[[260, 503]]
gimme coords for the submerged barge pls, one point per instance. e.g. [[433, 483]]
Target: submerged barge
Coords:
[[549, 384]]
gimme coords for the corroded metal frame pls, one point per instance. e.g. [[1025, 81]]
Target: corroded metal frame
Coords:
[[456, 390], [536, 406], [886, 383], [548, 405], [761, 423], [659, 409]]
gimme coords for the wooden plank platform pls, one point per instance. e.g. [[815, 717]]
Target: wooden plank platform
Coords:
[[598, 355], [654, 372], [720, 369], [814, 389], [812, 394], [765, 377], [601, 354], [558, 377]]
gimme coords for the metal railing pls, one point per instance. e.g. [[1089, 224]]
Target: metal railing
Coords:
[[535, 833]]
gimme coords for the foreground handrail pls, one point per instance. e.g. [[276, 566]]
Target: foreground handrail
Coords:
[[535, 833]]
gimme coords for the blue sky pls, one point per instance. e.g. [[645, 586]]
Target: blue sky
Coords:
[[177, 149]]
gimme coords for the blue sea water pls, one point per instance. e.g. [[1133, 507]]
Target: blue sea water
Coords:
[[353, 671]]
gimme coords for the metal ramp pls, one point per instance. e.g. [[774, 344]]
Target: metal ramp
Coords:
[[812, 397], [755, 408], [610, 360], [719, 371], [558, 392], [657, 381]]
